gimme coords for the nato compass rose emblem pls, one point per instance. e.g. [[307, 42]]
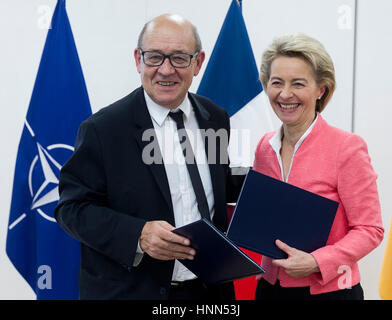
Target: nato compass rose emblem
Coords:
[[43, 178]]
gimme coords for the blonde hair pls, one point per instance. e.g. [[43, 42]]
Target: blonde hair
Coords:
[[299, 45]]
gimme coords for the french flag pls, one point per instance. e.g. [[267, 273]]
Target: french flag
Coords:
[[231, 80]]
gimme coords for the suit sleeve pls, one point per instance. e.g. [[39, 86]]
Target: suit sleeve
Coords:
[[357, 191], [82, 210]]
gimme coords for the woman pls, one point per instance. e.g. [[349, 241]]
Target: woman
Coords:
[[307, 152]]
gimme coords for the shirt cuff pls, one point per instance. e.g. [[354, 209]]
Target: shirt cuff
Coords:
[[138, 255]]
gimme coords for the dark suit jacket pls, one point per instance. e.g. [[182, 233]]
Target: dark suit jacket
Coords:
[[107, 193]]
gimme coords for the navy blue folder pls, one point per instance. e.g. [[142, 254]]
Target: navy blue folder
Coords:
[[217, 258], [270, 209]]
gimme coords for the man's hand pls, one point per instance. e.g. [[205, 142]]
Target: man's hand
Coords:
[[298, 264], [160, 243]]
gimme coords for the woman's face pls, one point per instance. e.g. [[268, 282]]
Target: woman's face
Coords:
[[293, 91]]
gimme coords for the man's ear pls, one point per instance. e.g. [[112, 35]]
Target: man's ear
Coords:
[[199, 62], [138, 59]]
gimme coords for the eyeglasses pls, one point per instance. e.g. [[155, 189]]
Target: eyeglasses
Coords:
[[177, 60]]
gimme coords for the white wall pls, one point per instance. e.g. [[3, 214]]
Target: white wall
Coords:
[[106, 33], [373, 112]]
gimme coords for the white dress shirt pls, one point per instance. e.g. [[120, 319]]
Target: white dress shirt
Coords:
[[181, 190]]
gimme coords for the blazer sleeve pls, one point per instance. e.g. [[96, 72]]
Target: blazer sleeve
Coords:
[[357, 190], [82, 210]]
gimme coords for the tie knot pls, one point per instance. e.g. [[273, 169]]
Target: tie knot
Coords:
[[177, 117]]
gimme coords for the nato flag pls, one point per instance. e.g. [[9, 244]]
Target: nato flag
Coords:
[[46, 257]]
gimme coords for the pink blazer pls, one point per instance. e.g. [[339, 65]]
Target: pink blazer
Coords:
[[334, 164]]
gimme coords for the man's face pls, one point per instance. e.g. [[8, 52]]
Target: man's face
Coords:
[[166, 85]]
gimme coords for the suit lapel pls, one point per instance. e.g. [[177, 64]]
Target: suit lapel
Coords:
[[204, 119], [149, 142]]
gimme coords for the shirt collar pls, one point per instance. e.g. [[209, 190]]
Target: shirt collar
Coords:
[[159, 113], [276, 140]]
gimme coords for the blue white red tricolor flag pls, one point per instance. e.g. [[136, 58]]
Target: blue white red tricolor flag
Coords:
[[231, 80]]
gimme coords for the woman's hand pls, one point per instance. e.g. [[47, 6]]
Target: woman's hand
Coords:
[[298, 264]]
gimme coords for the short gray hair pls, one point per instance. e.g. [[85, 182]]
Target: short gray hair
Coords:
[[299, 45]]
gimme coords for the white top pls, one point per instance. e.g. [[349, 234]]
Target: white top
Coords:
[[276, 144]]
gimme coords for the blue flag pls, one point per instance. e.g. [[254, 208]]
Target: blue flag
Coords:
[[231, 78], [46, 257]]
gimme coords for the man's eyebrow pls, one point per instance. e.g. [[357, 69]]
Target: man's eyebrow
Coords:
[[172, 52]]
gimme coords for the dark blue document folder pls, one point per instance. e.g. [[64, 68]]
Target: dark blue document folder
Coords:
[[270, 209], [217, 259]]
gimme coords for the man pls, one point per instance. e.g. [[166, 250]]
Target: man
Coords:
[[122, 202]]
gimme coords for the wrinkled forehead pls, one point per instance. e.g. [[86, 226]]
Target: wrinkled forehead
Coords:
[[291, 67], [169, 32]]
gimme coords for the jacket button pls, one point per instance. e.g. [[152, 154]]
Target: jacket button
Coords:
[[162, 291]]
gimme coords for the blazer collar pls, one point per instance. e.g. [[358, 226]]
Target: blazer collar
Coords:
[[140, 115], [202, 114], [276, 140]]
